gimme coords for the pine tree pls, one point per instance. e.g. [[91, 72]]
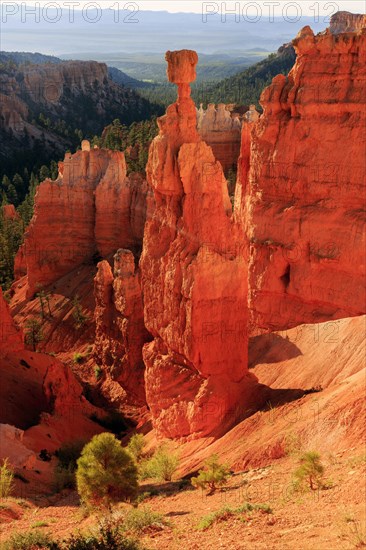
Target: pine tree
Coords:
[[33, 334], [213, 475], [106, 472], [12, 194], [5, 182]]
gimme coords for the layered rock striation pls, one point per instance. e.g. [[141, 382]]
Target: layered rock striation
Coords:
[[301, 189], [120, 330], [11, 338], [221, 131], [91, 210], [194, 279], [344, 21]]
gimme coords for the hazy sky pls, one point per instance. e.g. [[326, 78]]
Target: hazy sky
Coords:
[[307, 6]]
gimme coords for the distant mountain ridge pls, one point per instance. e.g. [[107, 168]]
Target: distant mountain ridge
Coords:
[[153, 31], [37, 58], [245, 87], [47, 108]]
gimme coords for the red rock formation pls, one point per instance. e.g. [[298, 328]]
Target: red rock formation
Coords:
[[303, 204], [193, 278], [9, 212], [222, 132], [86, 211], [11, 339], [120, 330], [344, 21], [63, 392], [13, 449]]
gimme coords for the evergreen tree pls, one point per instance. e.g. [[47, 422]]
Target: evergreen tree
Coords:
[[5, 182], [18, 182], [33, 333], [12, 194], [106, 472], [44, 173], [213, 475]]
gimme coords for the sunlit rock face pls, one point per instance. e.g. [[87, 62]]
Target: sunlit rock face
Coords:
[[92, 209], [301, 189], [219, 129], [120, 330], [11, 339], [194, 280]]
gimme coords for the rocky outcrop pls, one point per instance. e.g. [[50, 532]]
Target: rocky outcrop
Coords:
[[63, 392], [193, 279], [42, 104], [302, 199], [222, 132], [13, 449], [91, 210], [120, 330], [344, 21], [53, 88], [47, 83], [9, 212], [11, 339]]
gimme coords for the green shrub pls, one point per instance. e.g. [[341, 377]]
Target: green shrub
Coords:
[[67, 454], [136, 446], [161, 466], [78, 358], [310, 471], [140, 520], [30, 540], [6, 479], [108, 537], [98, 372], [79, 316], [105, 472], [227, 512], [223, 514], [213, 475], [39, 524]]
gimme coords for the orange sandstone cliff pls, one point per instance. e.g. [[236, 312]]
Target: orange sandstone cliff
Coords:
[[91, 210], [120, 330], [11, 338], [222, 132], [301, 188], [193, 279]]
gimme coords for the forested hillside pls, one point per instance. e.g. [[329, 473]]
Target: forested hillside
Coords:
[[48, 108], [243, 88], [247, 86], [20, 189]]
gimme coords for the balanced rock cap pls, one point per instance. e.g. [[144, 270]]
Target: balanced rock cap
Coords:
[[181, 66]]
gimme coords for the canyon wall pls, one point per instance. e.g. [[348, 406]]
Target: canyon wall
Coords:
[[344, 21], [11, 338], [193, 280], [301, 195], [46, 83], [120, 330], [221, 132], [91, 210]]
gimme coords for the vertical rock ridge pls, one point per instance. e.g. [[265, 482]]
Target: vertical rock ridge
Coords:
[[194, 280]]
